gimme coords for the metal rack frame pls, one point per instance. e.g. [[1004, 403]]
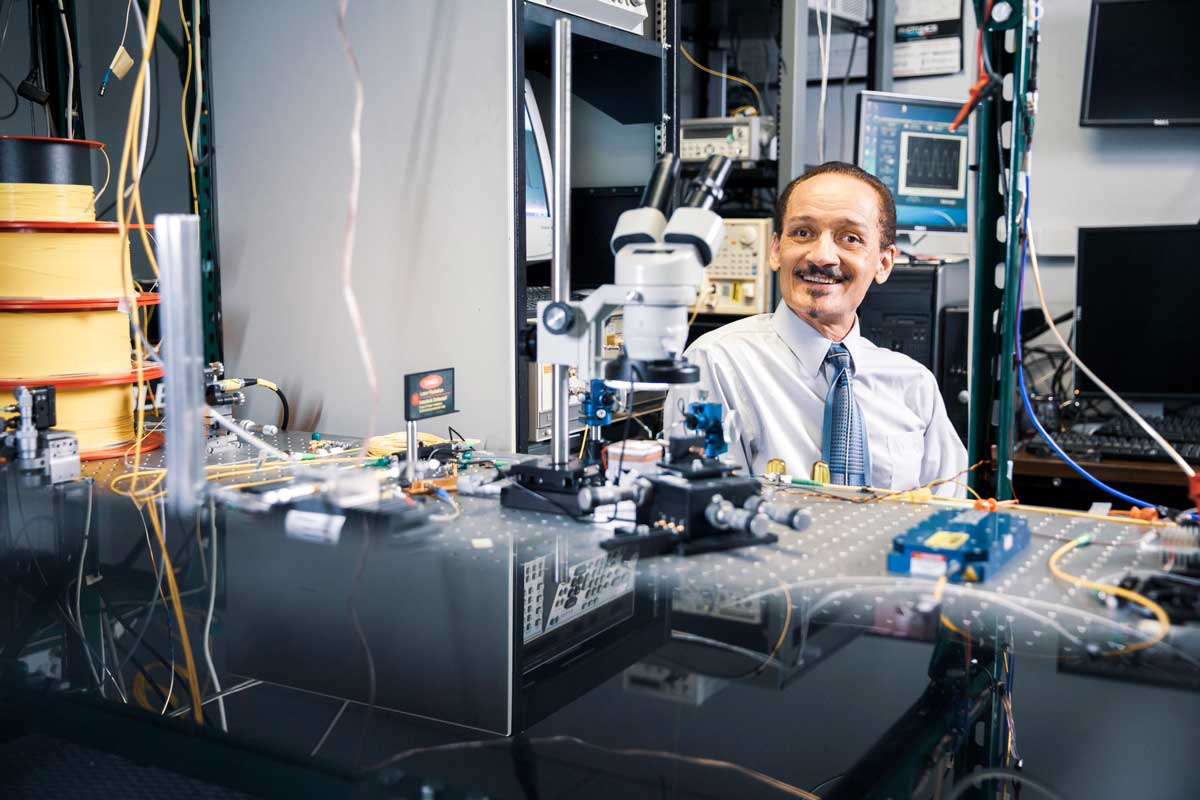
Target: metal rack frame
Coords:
[[531, 24], [993, 361]]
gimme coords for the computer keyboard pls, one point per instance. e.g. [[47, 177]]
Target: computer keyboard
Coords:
[[533, 296], [1173, 429], [1100, 446]]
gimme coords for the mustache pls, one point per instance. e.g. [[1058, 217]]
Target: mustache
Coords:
[[814, 271]]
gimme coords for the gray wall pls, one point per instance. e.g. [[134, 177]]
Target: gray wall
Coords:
[[433, 260]]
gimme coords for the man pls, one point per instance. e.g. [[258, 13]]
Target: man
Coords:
[[802, 384]]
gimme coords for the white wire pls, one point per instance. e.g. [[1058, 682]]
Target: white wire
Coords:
[[241, 687], [125, 32], [199, 70], [171, 685], [212, 601], [240, 432], [1116, 398], [70, 110], [87, 528], [445, 497], [329, 729], [824, 45], [364, 347], [141, 162]]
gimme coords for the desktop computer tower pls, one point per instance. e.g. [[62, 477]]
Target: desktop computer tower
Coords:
[[911, 314], [952, 366]]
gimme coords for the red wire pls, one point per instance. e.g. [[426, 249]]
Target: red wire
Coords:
[[983, 80]]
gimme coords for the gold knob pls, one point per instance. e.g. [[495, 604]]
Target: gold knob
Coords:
[[776, 466]]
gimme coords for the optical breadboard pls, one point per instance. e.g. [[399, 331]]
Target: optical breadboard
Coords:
[[735, 283], [964, 546], [738, 138], [834, 572]]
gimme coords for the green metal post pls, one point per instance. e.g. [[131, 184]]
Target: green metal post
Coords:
[[206, 193], [1020, 129], [998, 307], [985, 300]]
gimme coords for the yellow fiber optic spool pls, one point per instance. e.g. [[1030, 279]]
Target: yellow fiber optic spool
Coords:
[[53, 343], [47, 179], [100, 417], [47, 201], [98, 409], [64, 281], [57, 260], [81, 347]]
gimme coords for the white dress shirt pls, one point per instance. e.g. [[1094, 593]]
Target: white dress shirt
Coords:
[[769, 372]]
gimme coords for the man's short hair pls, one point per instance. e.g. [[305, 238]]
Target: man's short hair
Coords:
[[887, 205]]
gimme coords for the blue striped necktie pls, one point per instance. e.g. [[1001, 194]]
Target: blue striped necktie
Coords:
[[844, 442]]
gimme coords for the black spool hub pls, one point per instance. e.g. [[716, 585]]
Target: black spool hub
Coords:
[[40, 159]]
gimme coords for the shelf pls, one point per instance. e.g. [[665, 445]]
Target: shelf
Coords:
[[763, 173], [616, 71]]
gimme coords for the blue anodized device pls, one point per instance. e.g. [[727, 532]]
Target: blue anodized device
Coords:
[[963, 545], [597, 404], [708, 419]]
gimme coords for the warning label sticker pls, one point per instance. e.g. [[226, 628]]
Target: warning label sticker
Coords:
[[430, 394], [927, 564]]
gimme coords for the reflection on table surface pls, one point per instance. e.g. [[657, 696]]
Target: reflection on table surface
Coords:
[[505, 653]]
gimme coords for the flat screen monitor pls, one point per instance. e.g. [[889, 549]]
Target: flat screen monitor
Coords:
[[538, 236], [907, 143], [1135, 292], [1142, 65]]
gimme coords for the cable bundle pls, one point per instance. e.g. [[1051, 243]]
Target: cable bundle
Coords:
[[64, 286], [394, 443]]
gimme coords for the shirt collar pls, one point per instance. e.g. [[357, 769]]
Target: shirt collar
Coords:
[[806, 343]]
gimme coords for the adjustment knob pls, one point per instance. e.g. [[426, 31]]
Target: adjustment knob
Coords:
[[748, 236], [558, 318]]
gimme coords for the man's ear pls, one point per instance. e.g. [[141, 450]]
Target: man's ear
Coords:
[[773, 253], [887, 259]]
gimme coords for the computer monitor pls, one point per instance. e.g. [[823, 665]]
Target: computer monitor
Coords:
[[1135, 293], [1142, 63], [906, 142], [538, 172]]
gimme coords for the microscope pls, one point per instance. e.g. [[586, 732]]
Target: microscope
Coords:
[[697, 504], [659, 269]]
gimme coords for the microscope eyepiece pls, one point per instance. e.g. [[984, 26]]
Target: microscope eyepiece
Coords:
[[707, 189], [657, 193]]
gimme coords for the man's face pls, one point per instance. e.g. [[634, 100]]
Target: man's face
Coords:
[[830, 251]]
